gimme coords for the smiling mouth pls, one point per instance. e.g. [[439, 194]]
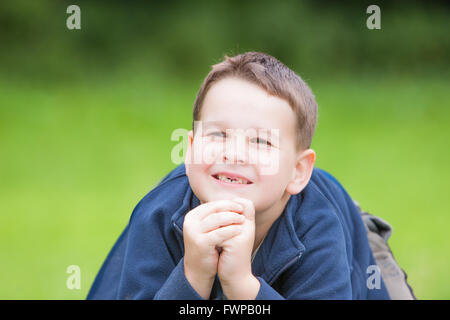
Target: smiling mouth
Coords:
[[232, 180]]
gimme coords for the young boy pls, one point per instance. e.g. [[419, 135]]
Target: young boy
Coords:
[[247, 216]]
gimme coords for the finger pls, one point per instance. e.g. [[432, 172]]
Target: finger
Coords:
[[221, 219], [216, 237], [218, 206], [249, 208]]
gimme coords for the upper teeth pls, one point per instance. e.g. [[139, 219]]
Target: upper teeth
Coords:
[[231, 180]]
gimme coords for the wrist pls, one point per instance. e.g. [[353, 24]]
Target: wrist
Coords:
[[199, 282], [245, 288]]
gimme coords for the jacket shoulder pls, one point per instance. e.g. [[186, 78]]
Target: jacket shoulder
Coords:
[[165, 197]]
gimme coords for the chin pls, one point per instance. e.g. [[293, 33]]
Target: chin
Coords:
[[224, 195]]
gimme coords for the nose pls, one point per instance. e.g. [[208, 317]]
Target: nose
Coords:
[[235, 151]]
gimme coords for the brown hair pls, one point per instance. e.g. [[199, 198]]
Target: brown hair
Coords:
[[275, 78]]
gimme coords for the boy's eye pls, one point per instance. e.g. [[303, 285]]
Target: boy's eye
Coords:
[[218, 134], [259, 140]]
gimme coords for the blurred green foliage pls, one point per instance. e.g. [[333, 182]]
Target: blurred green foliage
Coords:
[[183, 39], [86, 117]]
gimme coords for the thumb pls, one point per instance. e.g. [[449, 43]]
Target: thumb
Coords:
[[249, 208]]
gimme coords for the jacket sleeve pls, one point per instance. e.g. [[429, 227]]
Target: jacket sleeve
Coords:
[[152, 267], [177, 287], [266, 292], [145, 262]]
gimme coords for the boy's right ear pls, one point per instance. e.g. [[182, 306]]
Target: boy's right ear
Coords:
[[188, 157], [190, 137]]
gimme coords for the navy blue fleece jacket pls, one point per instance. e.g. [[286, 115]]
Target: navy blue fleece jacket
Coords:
[[316, 249]]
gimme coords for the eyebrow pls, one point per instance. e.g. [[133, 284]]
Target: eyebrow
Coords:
[[214, 123]]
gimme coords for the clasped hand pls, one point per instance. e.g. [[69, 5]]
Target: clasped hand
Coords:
[[218, 239]]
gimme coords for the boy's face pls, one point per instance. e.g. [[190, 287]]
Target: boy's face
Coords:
[[248, 136]]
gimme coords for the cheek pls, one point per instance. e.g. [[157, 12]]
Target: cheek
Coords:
[[268, 161], [206, 152], [203, 156], [275, 171], [198, 175], [272, 184], [270, 189]]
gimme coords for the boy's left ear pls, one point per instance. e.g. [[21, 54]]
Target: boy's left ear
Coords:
[[302, 172]]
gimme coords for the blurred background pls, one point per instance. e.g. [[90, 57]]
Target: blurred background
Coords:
[[86, 118]]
